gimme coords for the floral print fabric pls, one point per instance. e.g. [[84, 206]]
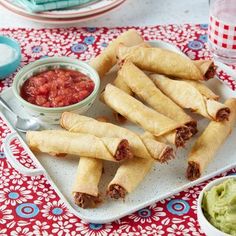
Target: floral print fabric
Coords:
[[30, 206]]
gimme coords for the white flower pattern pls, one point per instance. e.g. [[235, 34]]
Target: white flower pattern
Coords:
[[178, 230], [17, 178], [93, 229], [36, 49], [62, 228], [5, 214], [4, 175], [3, 232], [40, 228], [56, 211], [15, 195], [152, 213], [35, 183], [21, 231], [46, 194]]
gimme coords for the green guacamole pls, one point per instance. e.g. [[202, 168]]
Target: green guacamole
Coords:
[[219, 206]]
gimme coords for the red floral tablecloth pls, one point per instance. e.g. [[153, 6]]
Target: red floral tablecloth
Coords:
[[30, 206]]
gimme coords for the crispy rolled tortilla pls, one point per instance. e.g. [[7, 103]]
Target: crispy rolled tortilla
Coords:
[[161, 61], [85, 189], [131, 173], [142, 115], [187, 96], [137, 112], [56, 142], [119, 82], [141, 147], [128, 177], [209, 142], [207, 68], [203, 89], [177, 138], [107, 59], [139, 83], [159, 151]]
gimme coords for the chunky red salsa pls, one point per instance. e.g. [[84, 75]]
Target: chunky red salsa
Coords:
[[57, 88]]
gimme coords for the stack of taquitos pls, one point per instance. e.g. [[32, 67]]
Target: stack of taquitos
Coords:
[[85, 189], [147, 118], [163, 61], [128, 177], [144, 147], [107, 143], [130, 173], [107, 59], [132, 80], [167, 122], [57, 142], [209, 142], [189, 95]]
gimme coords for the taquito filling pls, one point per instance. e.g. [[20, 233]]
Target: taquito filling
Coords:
[[182, 135], [119, 118], [210, 72], [116, 191], [84, 200], [167, 155], [123, 151], [223, 114], [193, 171], [192, 125]]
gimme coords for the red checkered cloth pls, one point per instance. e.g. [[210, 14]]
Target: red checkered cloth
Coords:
[[222, 34]]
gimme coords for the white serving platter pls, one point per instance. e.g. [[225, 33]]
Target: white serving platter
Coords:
[[162, 181]]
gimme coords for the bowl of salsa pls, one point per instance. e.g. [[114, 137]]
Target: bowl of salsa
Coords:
[[48, 87]]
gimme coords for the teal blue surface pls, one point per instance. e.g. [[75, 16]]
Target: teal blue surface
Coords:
[[9, 68], [47, 5], [43, 1]]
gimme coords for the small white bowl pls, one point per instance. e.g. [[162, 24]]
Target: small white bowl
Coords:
[[205, 225], [51, 115]]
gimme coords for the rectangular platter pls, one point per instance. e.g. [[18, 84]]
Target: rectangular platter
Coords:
[[162, 181]]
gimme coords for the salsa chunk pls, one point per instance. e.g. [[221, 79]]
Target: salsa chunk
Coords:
[[57, 88]]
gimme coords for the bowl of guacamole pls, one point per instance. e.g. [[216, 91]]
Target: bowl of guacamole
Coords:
[[217, 207]]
